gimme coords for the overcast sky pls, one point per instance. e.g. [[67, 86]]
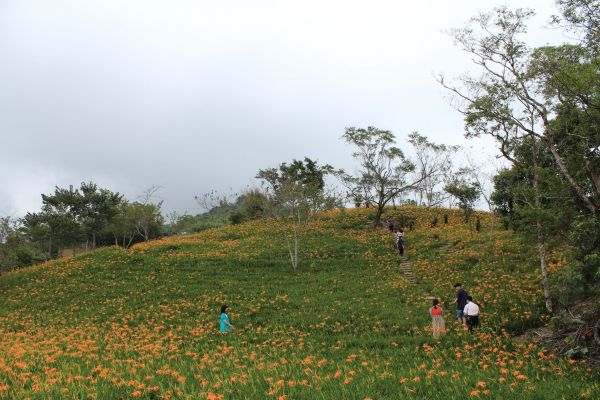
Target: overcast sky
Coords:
[[198, 95]]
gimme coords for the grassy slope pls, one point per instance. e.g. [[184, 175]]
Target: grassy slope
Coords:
[[142, 323]]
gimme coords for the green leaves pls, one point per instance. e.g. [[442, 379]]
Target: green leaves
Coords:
[[466, 192], [295, 192], [384, 168]]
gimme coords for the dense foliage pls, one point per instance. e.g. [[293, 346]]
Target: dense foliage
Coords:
[[77, 219], [542, 107]]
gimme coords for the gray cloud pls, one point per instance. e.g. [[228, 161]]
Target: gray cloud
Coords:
[[198, 95]]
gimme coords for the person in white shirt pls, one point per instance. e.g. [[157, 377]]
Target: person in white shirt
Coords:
[[471, 312]]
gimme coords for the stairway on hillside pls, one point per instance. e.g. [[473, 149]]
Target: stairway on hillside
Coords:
[[407, 270]]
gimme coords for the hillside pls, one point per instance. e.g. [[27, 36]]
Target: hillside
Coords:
[[143, 323]]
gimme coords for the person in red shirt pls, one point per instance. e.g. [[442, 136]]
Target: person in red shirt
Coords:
[[439, 326]]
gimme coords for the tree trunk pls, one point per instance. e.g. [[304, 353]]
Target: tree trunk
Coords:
[[544, 271], [131, 236], [595, 173], [296, 239], [492, 223], [378, 214], [293, 254], [563, 168], [540, 233]]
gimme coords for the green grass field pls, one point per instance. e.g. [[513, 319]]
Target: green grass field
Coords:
[[143, 323]]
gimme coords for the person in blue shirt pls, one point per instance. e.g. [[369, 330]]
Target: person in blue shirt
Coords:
[[461, 302], [225, 326]]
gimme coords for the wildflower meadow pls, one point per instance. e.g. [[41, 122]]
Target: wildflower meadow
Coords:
[[143, 323]]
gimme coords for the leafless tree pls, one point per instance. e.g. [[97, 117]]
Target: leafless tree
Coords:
[[433, 165]]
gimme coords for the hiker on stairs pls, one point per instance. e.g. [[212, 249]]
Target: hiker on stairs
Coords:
[[399, 240]]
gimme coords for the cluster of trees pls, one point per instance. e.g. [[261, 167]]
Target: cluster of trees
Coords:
[[387, 174], [292, 193], [77, 218], [542, 106]]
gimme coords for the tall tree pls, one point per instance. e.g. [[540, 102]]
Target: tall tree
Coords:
[[533, 198], [61, 211], [123, 225], [295, 193], [99, 206], [147, 218], [466, 192], [484, 178], [385, 172], [146, 215], [433, 164], [511, 99], [40, 228], [544, 100]]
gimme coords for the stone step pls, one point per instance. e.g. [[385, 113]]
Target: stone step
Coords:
[[406, 270]]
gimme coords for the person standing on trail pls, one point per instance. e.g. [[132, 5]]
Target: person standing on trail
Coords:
[[460, 301], [390, 224], [471, 314], [225, 326], [399, 238], [439, 326]]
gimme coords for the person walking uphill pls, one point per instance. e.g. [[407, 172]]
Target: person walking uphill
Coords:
[[390, 224], [471, 314], [439, 326], [461, 302], [225, 326], [399, 238]]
